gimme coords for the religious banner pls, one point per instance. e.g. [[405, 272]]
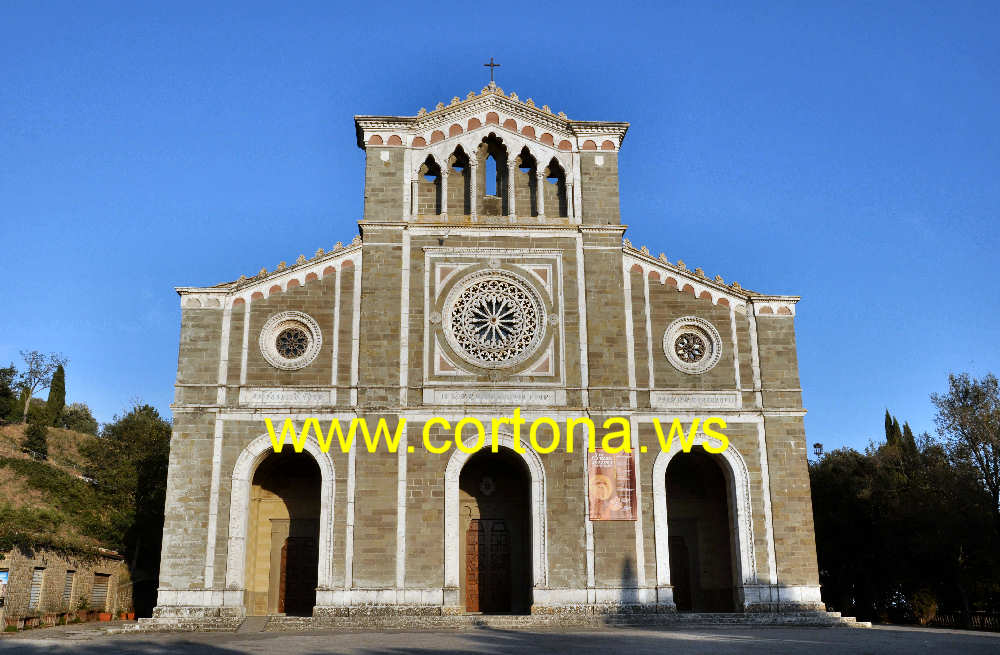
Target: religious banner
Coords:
[[612, 486]]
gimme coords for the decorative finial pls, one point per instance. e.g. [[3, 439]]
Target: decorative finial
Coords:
[[319, 252], [439, 105], [262, 272], [243, 278], [699, 272], [644, 250], [455, 100], [546, 109], [356, 240], [735, 285], [470, 95], [491, 66], [627, 243], [529, 102], [338, 246], [681, 265], [562, 114], [281, 266], [718, 278], [513, 96], [422, 112], [663, 258], [301, 259]]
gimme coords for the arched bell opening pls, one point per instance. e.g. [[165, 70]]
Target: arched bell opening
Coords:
[[428, 188], [493, 183], [525, 184], [555, 200], [459, 183]]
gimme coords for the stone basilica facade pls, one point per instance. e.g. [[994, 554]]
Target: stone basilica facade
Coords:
[[490, 273]]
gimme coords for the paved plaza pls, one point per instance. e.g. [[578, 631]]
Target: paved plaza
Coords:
[[89, 640]]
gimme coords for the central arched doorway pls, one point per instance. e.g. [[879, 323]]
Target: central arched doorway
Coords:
[[283, 535], [495, 533], [701, 539]]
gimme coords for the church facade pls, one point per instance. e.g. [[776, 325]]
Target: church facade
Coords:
[[491, 275]]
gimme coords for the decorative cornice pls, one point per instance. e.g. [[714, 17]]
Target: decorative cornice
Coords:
[[779, 305], [264, 280], [490, 98]]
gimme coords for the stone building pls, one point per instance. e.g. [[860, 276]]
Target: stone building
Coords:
[[48, 585], [490, 274]]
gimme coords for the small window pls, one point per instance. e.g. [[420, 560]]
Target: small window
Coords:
[[37, 576], [67, 596], [99, 592], [4, 577]]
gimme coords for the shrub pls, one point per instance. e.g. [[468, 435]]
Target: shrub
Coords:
[[36, 440], [77, 417], [924, 606]]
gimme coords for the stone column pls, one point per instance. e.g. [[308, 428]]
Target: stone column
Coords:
[[444, 192], [511, 172], [414, 198], [540, 192], [473, 186]]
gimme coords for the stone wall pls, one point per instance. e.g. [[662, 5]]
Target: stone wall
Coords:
[[20, 566], [384, 184], [599, 187]]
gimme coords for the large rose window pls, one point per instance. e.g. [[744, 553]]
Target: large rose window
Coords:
[[494, 319]]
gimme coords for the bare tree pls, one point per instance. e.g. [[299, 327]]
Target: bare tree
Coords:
[[969, 418], [38, 373]]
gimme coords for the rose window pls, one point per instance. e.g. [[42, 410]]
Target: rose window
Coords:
[[290, 340], [494, 320], [692, 344], [689, 347], [292, 343]]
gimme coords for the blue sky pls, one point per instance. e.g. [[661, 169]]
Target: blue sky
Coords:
[[845, 152]]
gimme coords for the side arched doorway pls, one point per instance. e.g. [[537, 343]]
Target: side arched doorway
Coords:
[[283, 535], [701, 539], [495, 533]]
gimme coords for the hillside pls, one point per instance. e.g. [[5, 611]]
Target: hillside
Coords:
[[47, 503]]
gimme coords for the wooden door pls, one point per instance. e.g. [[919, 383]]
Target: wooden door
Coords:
[[297, 584], [474, 536], [487, 566]]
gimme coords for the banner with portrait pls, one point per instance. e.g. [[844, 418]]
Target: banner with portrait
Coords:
[[612, 486]]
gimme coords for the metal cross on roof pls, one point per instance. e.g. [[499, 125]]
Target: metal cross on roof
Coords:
[[491, 66]]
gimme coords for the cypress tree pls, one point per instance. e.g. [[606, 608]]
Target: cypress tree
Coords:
[[57, 395], [892, 433]]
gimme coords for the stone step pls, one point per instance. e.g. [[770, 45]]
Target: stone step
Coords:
[[253, 624], [465, 622]]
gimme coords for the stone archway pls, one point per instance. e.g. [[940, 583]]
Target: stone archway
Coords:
[[737, 482], [255, 453], [538, 569], [495, 533]]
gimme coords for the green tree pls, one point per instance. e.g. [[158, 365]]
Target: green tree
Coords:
[[899, 522], [57, 395], [36, 440], [969, 419], [128, 466], [37, 374], [77, 417], [8, 394]]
